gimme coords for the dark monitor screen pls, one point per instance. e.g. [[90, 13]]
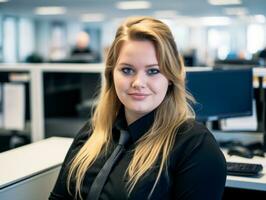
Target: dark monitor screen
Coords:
[[221, 93]]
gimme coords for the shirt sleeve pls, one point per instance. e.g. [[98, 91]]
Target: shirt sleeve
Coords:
[[202, 174], [59, 191]]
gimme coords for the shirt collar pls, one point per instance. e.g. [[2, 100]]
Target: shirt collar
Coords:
[[137, 128]]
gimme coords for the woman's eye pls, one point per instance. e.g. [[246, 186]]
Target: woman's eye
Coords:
[[127, 70], [153, 71]]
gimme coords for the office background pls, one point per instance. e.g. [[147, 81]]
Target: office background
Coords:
[[56, 89], [200, 27]]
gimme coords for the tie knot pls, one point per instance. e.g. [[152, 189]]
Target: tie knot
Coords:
[[124, 137]]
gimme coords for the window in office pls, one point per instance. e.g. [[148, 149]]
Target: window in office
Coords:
[[9, 39], [255, 38], [219, 43], [181, 34], [1, 38], [58, 41], [26, 38]]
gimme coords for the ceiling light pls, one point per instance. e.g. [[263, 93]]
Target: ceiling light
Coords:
[[236, 11], [215, 21], [128, 5], [50, 10], [3, 1], [165, 14], [93, 17], [224, 2]]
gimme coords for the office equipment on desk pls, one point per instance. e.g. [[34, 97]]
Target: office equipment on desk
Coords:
[[240, 151], [258, 152], [248, 147], [30, 172], [236, 63], [246, 123], [243, 169], [221, 93], [14, 106], [243, 182]]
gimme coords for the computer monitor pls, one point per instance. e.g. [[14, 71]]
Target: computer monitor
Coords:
[[69, 90], [221, 93]]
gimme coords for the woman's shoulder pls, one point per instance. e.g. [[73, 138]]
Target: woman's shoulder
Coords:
[[197, 159], [79, 140], [192, 128], [193, 137], [83, 134]]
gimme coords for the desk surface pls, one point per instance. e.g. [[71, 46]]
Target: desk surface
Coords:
[[258, 183], [29, 160]]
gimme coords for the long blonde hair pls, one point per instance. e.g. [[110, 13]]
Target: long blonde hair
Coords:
[[169, 115]]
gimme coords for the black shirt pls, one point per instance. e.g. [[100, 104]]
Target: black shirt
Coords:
[[196, 168]]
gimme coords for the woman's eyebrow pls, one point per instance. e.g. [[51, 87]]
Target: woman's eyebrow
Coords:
[[123, 63], [146, 66], [152, 65]]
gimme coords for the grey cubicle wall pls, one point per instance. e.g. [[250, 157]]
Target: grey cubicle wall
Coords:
[[37, 187], [29, 172]]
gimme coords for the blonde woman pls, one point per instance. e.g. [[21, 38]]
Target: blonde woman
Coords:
[[168, 155]]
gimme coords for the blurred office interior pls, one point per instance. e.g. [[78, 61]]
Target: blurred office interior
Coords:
[[61, 38], [205, 31]]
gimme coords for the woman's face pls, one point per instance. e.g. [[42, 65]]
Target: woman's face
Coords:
[[138, 82]]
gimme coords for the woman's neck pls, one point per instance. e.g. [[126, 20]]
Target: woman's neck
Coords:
[[132, 116]]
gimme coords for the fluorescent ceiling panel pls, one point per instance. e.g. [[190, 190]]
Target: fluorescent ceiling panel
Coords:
[[50, 10], [93, 17], [224, 2], [129, 5]]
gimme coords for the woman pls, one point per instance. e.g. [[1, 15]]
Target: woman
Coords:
[[169, 155]]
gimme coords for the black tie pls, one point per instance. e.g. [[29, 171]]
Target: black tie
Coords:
[[102, 176]]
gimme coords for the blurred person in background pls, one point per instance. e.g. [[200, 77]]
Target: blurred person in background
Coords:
[[82, 51]]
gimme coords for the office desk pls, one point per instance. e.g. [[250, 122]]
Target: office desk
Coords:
[[29, 172], [258, 183]]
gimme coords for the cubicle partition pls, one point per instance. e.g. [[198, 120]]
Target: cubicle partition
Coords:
[[36, 87]]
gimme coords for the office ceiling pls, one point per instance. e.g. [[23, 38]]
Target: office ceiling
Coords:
[[75, 8]]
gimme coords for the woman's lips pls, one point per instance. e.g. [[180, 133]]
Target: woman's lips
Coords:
[[138, 96]]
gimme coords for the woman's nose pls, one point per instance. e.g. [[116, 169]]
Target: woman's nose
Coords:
[[139, 81]]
